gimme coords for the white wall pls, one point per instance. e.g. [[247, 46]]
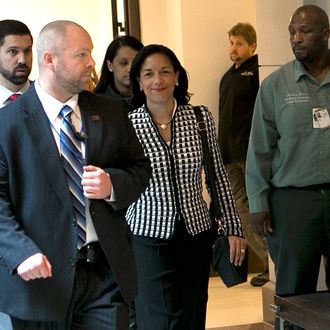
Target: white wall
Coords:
[[272, 31], [94, 16], [197, 32]]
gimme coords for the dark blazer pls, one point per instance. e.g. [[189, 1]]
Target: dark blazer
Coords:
[[36, 213]]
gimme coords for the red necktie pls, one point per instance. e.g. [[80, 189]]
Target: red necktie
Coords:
[[13, 97]]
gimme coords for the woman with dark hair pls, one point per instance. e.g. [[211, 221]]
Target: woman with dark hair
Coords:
[[170, 221], [114, 78]]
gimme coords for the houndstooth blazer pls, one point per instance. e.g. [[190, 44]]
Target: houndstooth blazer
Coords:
[[176, 184]]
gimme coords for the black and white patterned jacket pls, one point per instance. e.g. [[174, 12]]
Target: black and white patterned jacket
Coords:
[[177, 171]]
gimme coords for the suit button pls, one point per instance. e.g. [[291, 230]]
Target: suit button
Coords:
[[72, 262], [74, 223]]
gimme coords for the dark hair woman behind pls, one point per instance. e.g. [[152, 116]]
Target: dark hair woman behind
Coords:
[[114, 78]]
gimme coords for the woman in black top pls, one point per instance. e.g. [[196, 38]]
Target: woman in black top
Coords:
[[114, 78]]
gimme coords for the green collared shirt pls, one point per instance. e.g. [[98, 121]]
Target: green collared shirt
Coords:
[[284, 148]]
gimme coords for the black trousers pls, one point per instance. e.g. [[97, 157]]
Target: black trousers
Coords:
[[173, 280], [96, 304], [301, 235]]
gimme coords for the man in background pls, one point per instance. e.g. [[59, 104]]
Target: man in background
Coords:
[[15, 59], [238, 90], [288, 172], [15, 67], [70, 165]]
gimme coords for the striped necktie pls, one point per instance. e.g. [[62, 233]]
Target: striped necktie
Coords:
[[70, 147]]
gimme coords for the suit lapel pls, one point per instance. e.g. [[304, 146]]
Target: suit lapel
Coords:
[[93, 124], [38, 126]]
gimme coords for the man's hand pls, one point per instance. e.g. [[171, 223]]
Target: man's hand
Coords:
[[96, 183], [261, 223], [36, 266]]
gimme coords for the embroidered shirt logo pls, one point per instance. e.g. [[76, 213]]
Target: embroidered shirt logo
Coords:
[[296, 98], [247, 73]]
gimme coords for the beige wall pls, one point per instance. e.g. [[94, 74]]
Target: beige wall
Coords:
[[94, 16], [196, 30], [273, 37]]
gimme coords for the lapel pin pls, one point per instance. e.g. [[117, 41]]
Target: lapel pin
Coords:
[[95, 117]]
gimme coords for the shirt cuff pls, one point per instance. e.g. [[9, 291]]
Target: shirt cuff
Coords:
[[112, 197], [260, 204]]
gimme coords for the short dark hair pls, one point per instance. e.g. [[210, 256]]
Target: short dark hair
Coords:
[[181, 93], [321, 17], [246, 30], [12, 27], [106, 77]]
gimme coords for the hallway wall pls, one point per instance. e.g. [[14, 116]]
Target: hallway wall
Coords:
[[94, 16], [197, 32]]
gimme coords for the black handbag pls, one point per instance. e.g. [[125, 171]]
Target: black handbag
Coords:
[[229, 273]]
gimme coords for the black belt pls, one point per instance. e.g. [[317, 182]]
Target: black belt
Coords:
[[91, 253], [313, 187]]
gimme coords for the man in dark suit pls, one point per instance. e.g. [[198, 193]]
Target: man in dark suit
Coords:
[[45, 281], [15, 67]]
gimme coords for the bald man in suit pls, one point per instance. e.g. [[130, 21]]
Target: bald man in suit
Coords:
[[46, 280]]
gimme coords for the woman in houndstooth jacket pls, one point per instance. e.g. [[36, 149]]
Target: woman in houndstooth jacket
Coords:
[[170, 221]]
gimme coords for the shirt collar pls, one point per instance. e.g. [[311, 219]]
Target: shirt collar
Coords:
[[5, 92], [52, 106], [300, 71]]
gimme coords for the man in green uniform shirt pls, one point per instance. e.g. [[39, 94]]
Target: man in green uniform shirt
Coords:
[[288, 161]]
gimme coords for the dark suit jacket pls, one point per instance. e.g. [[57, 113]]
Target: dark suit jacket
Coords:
[[36, 213]]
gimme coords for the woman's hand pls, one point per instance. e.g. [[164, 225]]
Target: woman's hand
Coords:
[[237, 249]]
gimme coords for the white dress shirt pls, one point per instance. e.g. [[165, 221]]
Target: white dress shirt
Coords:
[[52, 109], [5, 93]]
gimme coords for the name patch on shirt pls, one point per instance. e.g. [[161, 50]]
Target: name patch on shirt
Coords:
[[321, 118], [297, 98]]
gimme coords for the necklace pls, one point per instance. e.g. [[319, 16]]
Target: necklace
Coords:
[[164, 125]]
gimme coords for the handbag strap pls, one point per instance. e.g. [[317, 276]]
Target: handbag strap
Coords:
[[209, 164]]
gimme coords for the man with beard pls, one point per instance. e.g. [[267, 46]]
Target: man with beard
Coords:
[[237, 93], [288, 172], [15, 59], [70, 165], [15, 67]]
